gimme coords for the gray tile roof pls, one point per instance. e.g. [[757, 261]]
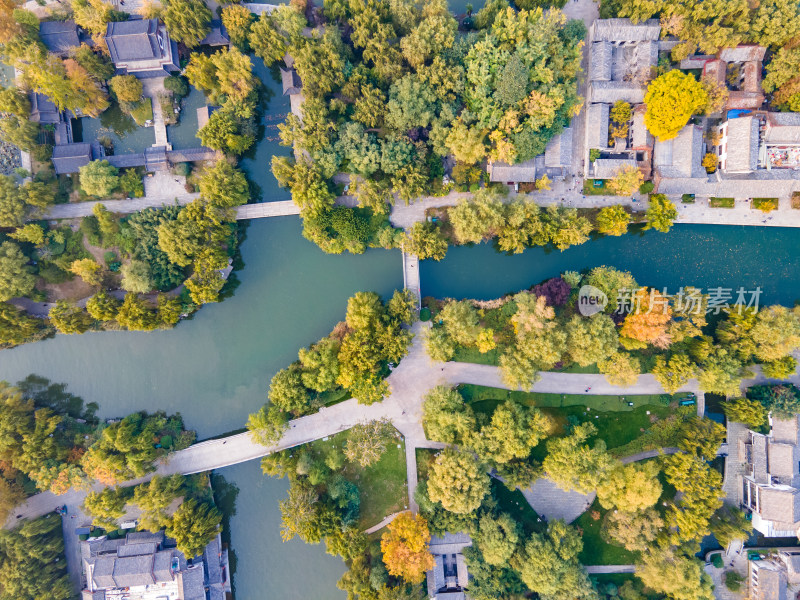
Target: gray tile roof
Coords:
[[68, 158], [449, 543], [122, 161], [623, 30], [771, 583], [218, 36], [597, 125], [103, 572], [133, 40], [742, 144], [607, 168], [291, 82], [611, 91], [600, 67], [211, 558], [134, 570], [59, 36], [640, 136], [782, 128], [524, 172], [43, 110], [144, 537], [137, 549], [784, 430], [191, 154], [162, 566], [558, 152], [190, 583], [681, 156], [743, 53]]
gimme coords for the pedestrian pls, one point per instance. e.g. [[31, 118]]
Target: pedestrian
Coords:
[[587, 389], [225, 442]]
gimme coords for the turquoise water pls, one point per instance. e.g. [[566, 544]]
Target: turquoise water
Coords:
[[698, 255], [184, 134], [256, 162], [126, 135]]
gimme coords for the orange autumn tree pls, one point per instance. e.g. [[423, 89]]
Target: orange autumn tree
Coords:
[[646, 323], [405, 547]]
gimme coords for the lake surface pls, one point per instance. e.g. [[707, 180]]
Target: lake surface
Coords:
[[703, 256]]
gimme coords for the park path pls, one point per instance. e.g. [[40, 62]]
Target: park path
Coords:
[[409, 382]]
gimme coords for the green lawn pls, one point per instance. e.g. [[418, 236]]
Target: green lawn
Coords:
[[514, 503], [473, 355], [720, 202], [383, 486], [765, 204], [332, 397], [596, 551], [590, 190], [687, 199], [618, 424]]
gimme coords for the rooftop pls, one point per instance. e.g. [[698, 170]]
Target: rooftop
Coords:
[[68, 158], [524, 172], [134, 40], [742, 144], [59, 36], [624, 30], [681, 156]]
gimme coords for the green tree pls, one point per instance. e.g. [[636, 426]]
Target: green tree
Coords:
[[267, 425], [412, 103], [106, 507], [439, 345], [729, 524], [564, 227], [574, 465], [445, 417], [774, 23], [626, 181], [224, 185], [12, 204], [461, 322], [187, 21], [591, 339], [366, 442], [613, 220], [634, 531], [458, 481], [671, 100], [154, 498], [742, 410], [103, 306], [320, 365], [661, 213], [67, 317], [194, 525], [548, 564], [97, 64], [620, 368], [136, 277], [127, 88], [99, 178], [630, 488], [88, 270], [497, 538], [476, 218], [675, 372], [238, 19], [722, 372], [511, 433], [266, 41], [425, 241], [287, 392], [16, 327], [136, 314], [680, 577]]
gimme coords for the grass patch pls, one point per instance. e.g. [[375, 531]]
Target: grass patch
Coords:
[[796, 200], [383, 486], [576, 368], [590, 190], [425, 457], [596, 551], [515, 504], [142, 111], [764, 204], [687, 199], [714, 202], [473, 355], [331, 397], [620, 426]]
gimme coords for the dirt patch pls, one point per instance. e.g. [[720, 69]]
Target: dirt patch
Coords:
[[69, 290]]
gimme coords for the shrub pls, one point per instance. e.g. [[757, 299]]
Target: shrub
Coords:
[[710, 162], [425, 314], [765, 204], [594, 154], [647, 187], [716, 560], [733, 581]]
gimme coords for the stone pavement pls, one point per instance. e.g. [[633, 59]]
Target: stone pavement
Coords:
[[598, 569], [551, 502], [151, 89]]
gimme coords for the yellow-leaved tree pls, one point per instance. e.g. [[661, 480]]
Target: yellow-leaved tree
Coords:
[[405, 547], [671, 101]]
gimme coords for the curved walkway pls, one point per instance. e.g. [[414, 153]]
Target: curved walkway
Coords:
[[409, 383], [551, 502]]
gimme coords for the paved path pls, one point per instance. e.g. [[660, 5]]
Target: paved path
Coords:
[[267, 209], [411, 279], [551, 502], [151, 89], [598, 569], [383, 523], [84, 209], [648, 454]]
